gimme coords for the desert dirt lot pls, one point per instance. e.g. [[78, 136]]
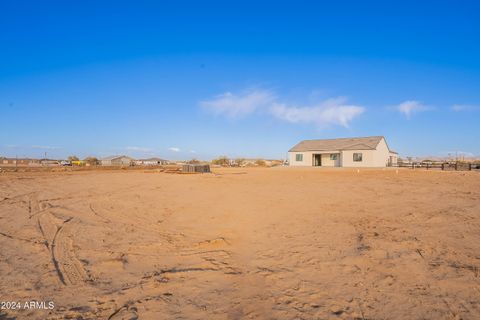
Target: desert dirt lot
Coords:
[[279, 243]]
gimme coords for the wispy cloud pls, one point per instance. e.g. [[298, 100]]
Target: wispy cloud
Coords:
[[174, 149], [237, 106], [141, 149], [465, 107], [410, 107], [329, 112], [332, 111], [45, 147]]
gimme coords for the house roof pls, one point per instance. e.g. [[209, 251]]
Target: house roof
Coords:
[[361, 143], [116, 157]]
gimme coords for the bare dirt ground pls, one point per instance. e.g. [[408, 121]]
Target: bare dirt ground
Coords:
[[279, 243]]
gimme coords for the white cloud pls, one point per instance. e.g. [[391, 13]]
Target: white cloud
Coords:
[[237, 106], [329, 112], [174, 149], [141, 149], [193, 151], [463, 107], [332, 111], [45, 147], [410, 107]]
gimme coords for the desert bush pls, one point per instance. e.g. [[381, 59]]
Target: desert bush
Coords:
[[73, 158], [240, 162], [91, 161], [222, 161], [260, 163]]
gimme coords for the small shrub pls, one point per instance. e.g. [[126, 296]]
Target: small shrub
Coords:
[[222, 161], [260, 163]]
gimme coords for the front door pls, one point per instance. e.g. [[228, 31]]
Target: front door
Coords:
[[317, 160]]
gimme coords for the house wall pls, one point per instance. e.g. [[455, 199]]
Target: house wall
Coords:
[[327, 162], [382, 154], [121, 161], [308, 159], [394, 159], [370, 158], [14, 161], [106, 162], [367, 158]]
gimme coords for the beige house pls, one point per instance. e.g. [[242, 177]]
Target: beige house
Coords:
[[117, 161], [19, 161], [343, 152]]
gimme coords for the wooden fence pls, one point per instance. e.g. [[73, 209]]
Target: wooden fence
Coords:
[[195, 168], [452, 166]]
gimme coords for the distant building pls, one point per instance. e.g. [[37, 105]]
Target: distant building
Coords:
[[19, 161], [344, 152], [151, 162], [117, 161], [49, 162]]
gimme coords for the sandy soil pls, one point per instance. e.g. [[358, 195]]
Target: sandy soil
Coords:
[[279, 243]]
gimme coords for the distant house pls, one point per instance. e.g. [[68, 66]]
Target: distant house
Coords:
[[117, 161], [151, 162], [19, 161], [343, 152], [49, 162]]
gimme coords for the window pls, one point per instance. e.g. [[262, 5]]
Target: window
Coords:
[[357, 157], [299, 157], [333, 156]]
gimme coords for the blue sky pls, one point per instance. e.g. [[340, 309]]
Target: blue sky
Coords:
[[198, 80]]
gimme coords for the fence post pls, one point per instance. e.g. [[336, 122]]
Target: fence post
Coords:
[[427, 166], [456, 166], [443, 166], [469, 167], [413, 165]]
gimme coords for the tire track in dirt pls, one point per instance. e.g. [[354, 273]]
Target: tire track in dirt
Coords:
[[129, 311], [54, 249], [59, 242], [95, 212], [13, 199], [199, 258], [6, 235], [29, 200]]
